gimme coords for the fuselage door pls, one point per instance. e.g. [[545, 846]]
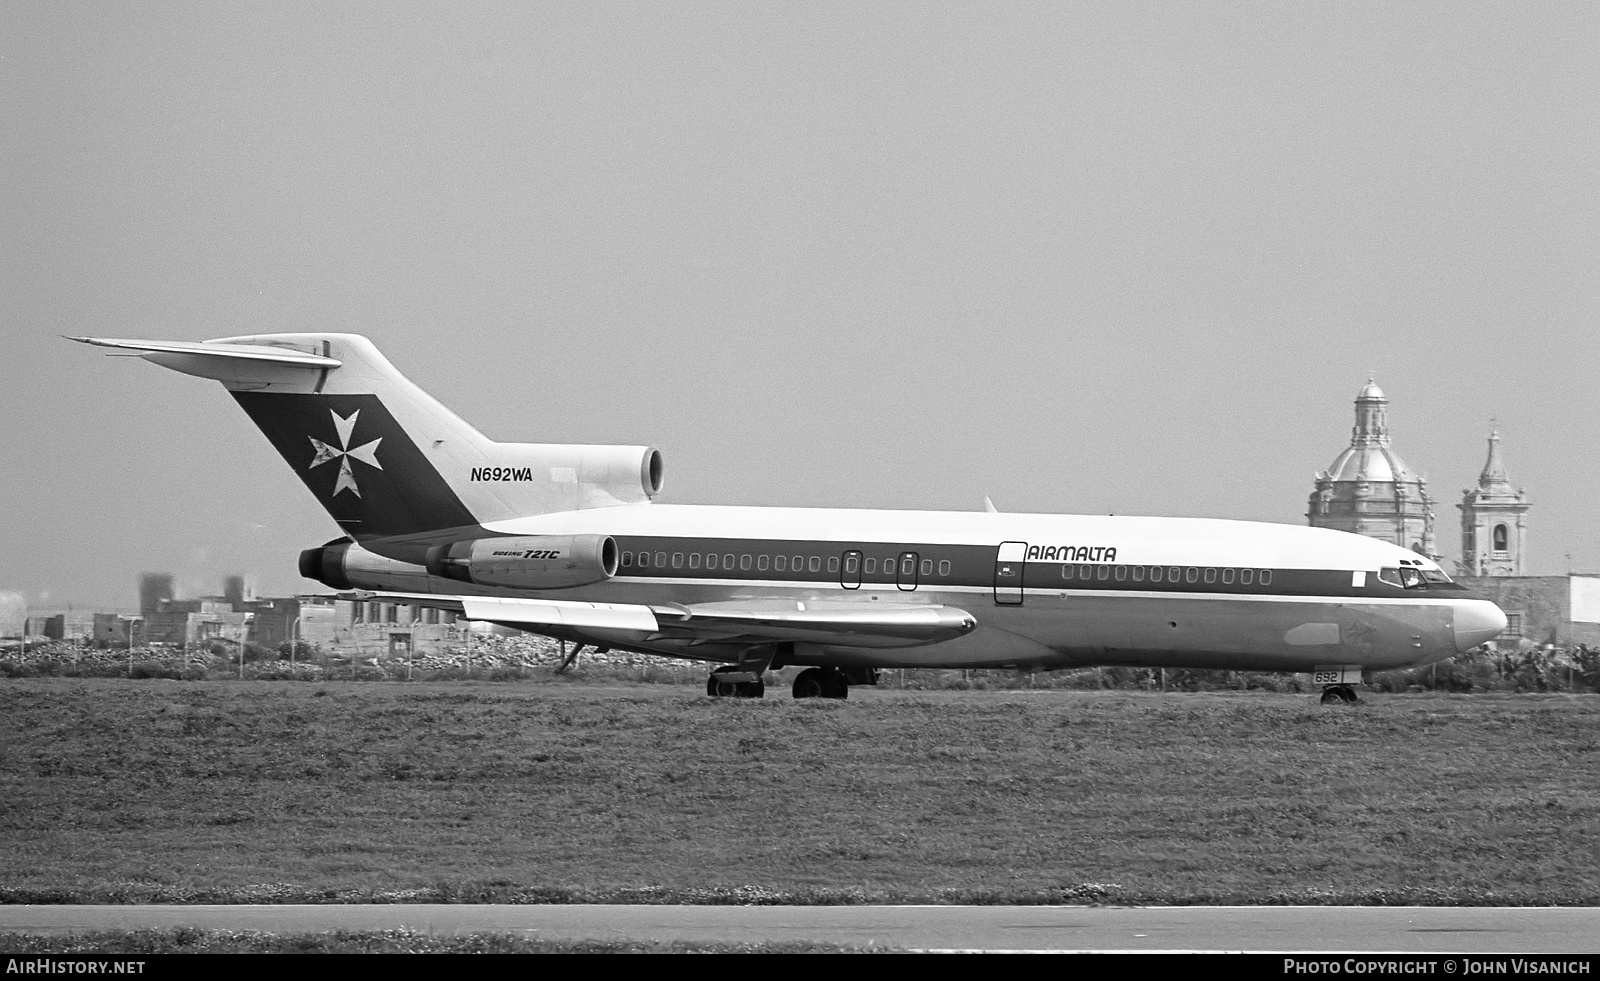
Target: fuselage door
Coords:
[[1008, 564], [850, 570], [906, 575]]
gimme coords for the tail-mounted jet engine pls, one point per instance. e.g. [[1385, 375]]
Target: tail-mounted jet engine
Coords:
[[527, 562], [343, 564]]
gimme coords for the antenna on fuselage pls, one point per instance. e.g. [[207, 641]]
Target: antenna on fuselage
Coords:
[[988, 505]]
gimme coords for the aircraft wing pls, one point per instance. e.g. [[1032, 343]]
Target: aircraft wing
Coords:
[[729, 623], [844, 624], [530, 614]]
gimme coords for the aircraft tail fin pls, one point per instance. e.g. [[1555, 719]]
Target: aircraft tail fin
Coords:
[[383, 456]]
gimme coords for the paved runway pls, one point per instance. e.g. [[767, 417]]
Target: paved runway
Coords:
[[1228, 928]]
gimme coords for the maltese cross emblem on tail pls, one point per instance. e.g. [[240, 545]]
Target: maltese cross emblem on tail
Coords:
[[367, 453]]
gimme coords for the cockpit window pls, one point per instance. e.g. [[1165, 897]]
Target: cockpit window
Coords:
[[1410, 578], [1407, 577]]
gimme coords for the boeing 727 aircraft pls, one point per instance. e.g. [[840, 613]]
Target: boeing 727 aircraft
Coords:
[[563, 540]]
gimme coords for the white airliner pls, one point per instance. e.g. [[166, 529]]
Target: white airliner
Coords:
[[563, 540]]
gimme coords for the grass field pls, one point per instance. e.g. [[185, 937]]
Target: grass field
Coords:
[[131, 791]]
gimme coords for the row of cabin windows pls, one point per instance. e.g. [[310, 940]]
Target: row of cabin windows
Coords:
[[1167, 573], [728, 562]]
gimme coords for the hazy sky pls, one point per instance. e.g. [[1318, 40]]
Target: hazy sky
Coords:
[[1130, 258]]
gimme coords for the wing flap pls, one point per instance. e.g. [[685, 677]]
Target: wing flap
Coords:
[[847, 625], [532, 613]]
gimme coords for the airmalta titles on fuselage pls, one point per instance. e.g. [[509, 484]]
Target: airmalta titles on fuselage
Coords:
[[1072, 553]]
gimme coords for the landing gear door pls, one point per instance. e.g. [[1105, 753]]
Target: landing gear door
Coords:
[[1008, 565]]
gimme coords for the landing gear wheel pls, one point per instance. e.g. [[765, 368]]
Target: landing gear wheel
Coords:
[[716, 687], [821, 683], [1343, 694], [809, 684]]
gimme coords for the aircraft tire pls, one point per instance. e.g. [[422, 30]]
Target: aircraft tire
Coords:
[[717, 688], [1339, 694], [810, 683]]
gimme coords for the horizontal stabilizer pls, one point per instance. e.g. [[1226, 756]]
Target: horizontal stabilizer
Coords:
[[215, 349]]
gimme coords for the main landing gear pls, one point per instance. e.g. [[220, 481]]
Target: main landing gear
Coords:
[[832, 682], [1332, 694], [730, 682], [821, 683], [744, 680]]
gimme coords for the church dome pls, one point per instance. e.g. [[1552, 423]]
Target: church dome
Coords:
[[1368, 489], [1370, 463]]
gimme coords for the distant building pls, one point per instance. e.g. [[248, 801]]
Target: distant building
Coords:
[[1369, 490], [1493, 522], [48, 627], [1540, 610], [113, 628], [154, 587]]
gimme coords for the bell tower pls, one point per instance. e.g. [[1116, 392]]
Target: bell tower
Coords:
[[1494, 521]]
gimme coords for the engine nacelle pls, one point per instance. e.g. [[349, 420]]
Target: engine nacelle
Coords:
[[343, 564], [528, 561]]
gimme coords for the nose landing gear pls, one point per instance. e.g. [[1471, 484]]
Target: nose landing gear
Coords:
[[1332, 694]]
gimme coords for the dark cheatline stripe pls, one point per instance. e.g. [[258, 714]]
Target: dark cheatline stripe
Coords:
[[970, 565]]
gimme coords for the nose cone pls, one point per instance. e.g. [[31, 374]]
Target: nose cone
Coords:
[[1477, 621]]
